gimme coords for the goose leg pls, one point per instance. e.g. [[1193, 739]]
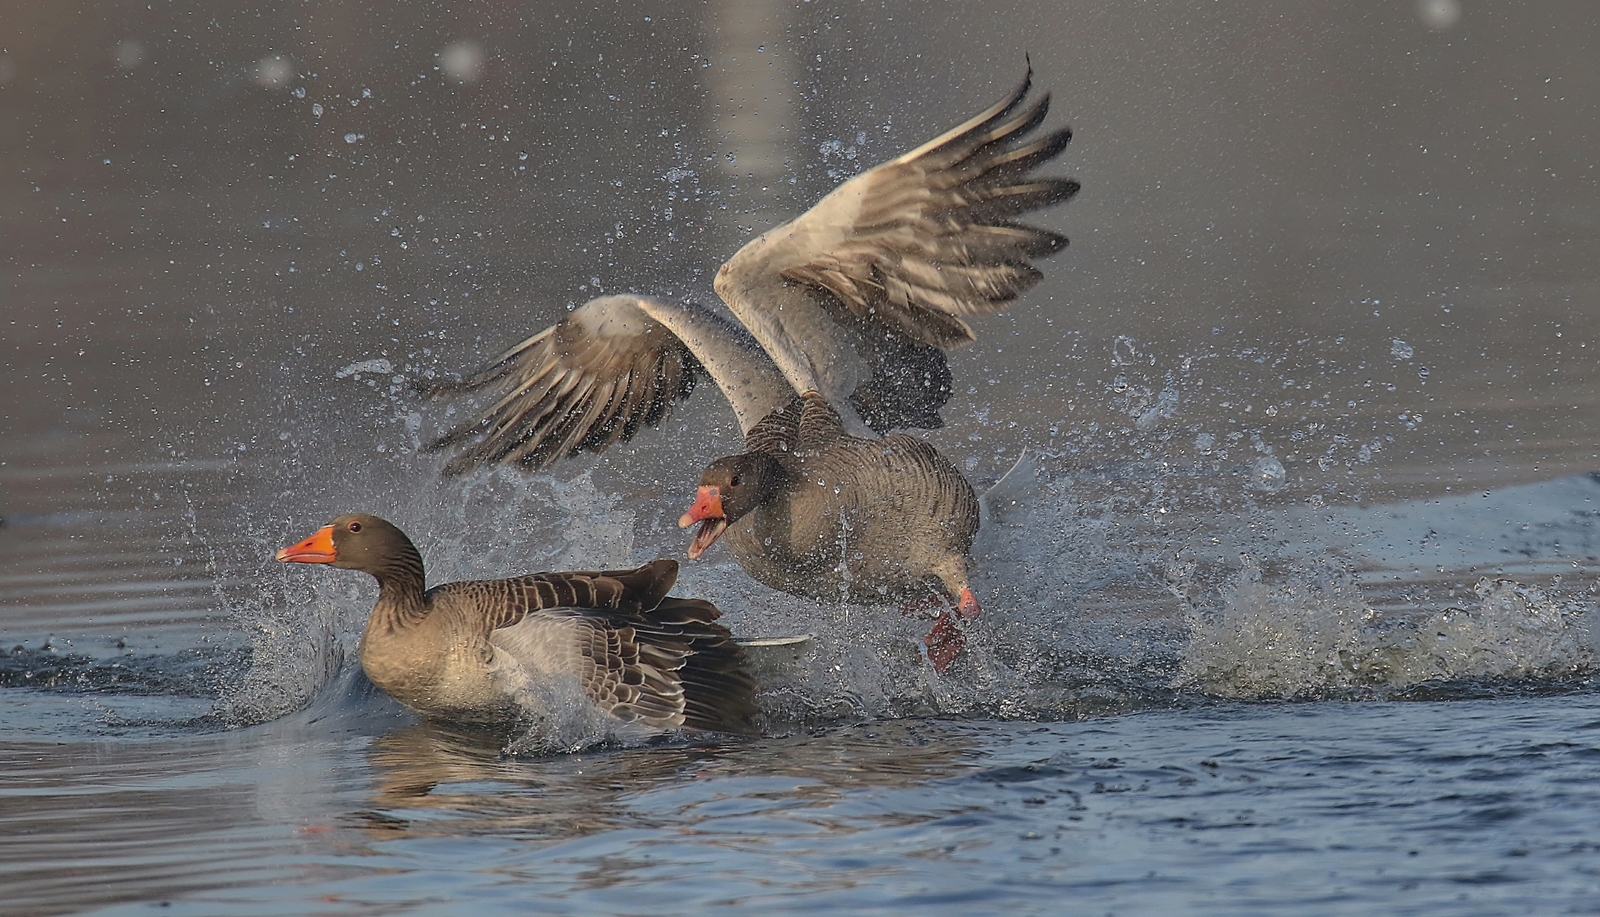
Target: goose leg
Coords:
[[946, 640]]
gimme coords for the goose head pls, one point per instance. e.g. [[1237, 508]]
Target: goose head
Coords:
[[730, 487], [354, 541]]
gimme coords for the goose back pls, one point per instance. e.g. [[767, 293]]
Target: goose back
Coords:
[[867, 520], [669, 667]]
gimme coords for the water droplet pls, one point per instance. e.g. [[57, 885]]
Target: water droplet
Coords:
[[129, 54], [274, 72], [462, 61], [1267, 474], [1438, 14]]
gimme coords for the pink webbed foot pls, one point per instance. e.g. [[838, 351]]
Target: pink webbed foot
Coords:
[[945, 642]]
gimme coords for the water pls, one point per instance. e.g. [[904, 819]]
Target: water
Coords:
[[1458, 807], [1292, 611]]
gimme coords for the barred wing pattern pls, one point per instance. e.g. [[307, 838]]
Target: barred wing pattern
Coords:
[[638, 653], [856, 299], [905, 249]]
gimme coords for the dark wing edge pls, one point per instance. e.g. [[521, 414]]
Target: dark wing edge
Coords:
[[658, 659], [718, 693], [908, 383], [671, 667], [591, 380]]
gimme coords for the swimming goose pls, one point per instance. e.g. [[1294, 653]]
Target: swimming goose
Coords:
[[470, 652], [856, 301]]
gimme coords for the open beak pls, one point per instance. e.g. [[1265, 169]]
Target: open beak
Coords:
[[707, 510], [318, 549]]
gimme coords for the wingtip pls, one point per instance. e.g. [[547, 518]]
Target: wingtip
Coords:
[[1021, 92], [978, 122], [440, 389], [664, 569]]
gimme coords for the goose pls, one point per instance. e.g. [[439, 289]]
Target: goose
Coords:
[[480, 652], [842, 315], [803, 509]]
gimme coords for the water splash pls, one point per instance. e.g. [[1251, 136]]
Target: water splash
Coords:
[[1307, 632], [1104, 589]]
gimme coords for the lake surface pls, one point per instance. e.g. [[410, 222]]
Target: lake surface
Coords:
[[1294, 610]]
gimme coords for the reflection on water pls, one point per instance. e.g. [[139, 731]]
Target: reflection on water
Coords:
[[143, 840], [432, 783], [1467, 806]]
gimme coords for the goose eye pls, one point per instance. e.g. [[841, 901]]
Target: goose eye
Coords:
[[354, 526]]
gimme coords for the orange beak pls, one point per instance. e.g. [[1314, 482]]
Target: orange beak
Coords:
[[707, 505], [318, 549], [707, 510]]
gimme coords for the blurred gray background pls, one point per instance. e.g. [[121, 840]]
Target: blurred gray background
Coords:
[[1313, 227]]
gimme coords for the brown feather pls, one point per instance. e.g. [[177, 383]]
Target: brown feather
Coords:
[[931, 236], [566, 390]]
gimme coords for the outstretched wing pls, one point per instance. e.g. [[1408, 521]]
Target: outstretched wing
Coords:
[[856, 299], [890, 261], [615, 365]]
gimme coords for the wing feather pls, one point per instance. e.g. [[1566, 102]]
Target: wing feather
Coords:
[[909, 248], [640, 655], [855, 299], [613, 367]]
